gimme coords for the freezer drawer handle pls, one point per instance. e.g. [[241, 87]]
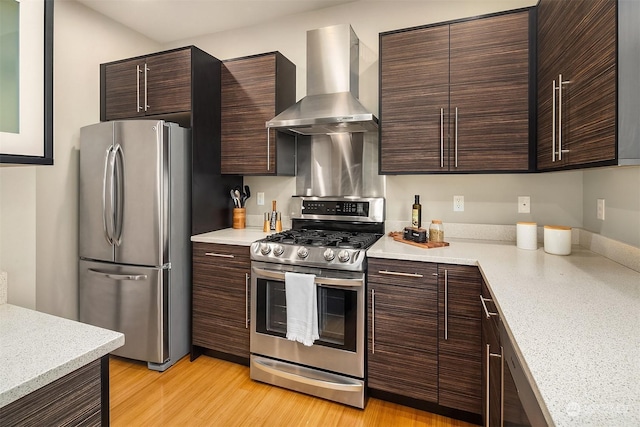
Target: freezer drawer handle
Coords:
[[115, 276]]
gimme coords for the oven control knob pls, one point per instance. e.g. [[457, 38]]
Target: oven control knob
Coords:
[[265, 248], [329, 255], [278, 250], [343, 256], [303, 252]]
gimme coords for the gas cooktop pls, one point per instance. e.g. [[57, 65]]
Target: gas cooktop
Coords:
[[327, 238], [330, 232]]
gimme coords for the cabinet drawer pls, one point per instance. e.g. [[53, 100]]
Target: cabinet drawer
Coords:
[[221, 255], [402, 273]]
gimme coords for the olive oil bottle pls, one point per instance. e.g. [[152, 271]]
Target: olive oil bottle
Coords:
[[416, 213]]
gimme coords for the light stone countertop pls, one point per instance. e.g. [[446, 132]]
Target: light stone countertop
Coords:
[[231, 236], [574, 321], [37, 349]]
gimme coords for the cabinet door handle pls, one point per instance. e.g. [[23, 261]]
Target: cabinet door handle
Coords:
[[442, 137], [219, 255], [246, 300], [446, 305], [456, 139], [502, 387], [560, 84], [487, 373], [146, 101], [397, 273], [138, 71], [553, 123], [487, 313], [373, 321], [268, 147]]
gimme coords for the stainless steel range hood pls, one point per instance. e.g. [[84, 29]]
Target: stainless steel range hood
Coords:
[[331, 104]]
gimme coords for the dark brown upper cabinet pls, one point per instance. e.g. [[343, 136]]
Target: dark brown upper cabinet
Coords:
[[254, 90], [458, 97], [588, 88], [150, 85]]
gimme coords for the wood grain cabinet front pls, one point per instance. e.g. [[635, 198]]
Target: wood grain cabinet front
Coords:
[[459, 338], [425, 334], [458, 97], [403, 323], [577, 82], [588, 86], [150, 85], [221, 299], [254, 90]]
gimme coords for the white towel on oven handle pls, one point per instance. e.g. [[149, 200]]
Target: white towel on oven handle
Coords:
[[302, 307]]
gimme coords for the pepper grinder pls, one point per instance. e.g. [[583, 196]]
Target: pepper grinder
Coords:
[[279, 222], [267, 222]]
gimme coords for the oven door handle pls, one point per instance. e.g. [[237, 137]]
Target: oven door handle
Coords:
[[281, 371], [340, 283]]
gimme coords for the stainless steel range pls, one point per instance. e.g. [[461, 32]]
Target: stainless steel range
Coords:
[[327, 243]]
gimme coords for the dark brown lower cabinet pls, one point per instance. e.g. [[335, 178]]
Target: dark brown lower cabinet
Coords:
[[78, 399], [403, 322], [425, 335], [459, 338], [221, 299]]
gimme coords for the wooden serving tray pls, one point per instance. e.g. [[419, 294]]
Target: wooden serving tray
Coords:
[[398, 237]]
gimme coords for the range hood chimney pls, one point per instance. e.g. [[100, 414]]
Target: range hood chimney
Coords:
[[331, 104]]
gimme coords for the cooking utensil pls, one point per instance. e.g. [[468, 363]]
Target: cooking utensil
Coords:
[[236, 201]]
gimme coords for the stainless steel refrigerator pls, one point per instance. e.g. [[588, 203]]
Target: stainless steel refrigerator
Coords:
[[134, 236]]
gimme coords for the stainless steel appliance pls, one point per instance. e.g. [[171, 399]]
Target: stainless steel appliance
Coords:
[[134, 236], [337, 138], [328, 239]]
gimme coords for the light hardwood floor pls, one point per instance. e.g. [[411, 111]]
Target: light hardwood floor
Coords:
[[213, 392]]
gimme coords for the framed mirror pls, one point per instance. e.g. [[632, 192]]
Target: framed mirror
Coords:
[[26, 82]]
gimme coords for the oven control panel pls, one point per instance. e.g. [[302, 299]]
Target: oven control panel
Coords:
[[355, 209], [338, 208]]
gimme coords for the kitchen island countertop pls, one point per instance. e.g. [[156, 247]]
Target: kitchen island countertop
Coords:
[[37, 348], [574, 320]]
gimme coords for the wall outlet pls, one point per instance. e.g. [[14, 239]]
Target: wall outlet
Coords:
[[458, 203], [260, 199], [524, 204], [600, 210]]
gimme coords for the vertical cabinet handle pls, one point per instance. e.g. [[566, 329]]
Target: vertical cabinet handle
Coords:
[[442, 137], [246, 300], [268, 148], [487, 386], [138, 71], [146, 100], [373, 321], [446, 305], [557, 87], [502, 387], [553, 123], [456, 139]]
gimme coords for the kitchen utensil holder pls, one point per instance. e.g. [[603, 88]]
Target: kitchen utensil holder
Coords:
[[239, 217]]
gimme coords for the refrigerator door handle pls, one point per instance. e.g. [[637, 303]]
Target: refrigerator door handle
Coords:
[[107, 202], [116, 276], [118, 186]]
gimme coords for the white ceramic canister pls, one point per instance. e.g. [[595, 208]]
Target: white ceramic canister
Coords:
[[527, 235], [557, 239]]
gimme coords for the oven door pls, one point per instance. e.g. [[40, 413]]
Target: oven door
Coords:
[[340, 347]]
